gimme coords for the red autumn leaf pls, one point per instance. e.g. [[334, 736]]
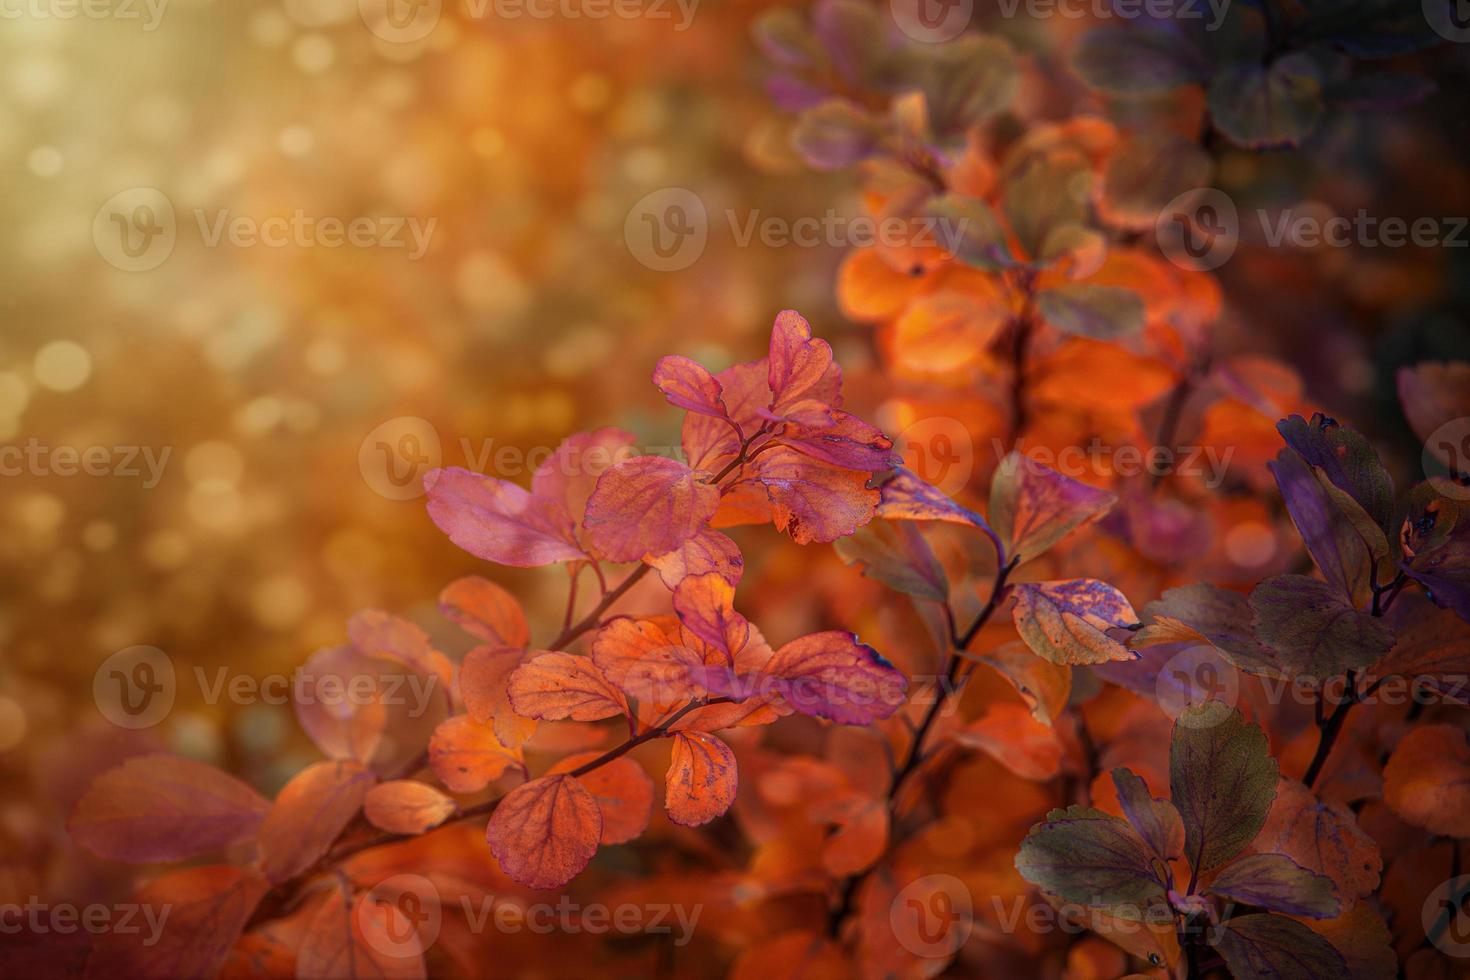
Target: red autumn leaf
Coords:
[[1323, 837], [309, 812], [1033, 507], [859, 834], [702, 779], [800, 955], [569, 475], [1431, 649], [164, 808], [706, 607], [201, 912], [343, 728], [707, 551], [812, 500], [688, 385], [484, 609], [466, 755], [648, 505], [383, 635], [499, 521], [561, 685], [799, 367], [1427, 780], [623, 791], [544, 833], [1065, 621], [406, 806], [842, 439], [1043, 685], [833, 675], [648, 660], [483, 685], [360, 937], [1009, 734], [904, 496]]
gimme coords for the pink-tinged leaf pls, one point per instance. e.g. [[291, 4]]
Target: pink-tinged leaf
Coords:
[[832, 675], [499, 521], [1156, 821], [843, 440], [363, 937], [702, 779], [164, 808], [623, 791], [343, 728], [466, 755], [309, 813], [483, 609], [1011, 736], [1276, 882], [648, 505], [1033, 507], [799, 367], [406, 806], [201, 913], [812, 500], [1065, 621], [707, 551], [556, 686], [381, 634], [648, 660], [706, 607], [710, 443], [544, 833], [904, 496], [568, 476], [1337, 549], [484, 685], [688, 385]]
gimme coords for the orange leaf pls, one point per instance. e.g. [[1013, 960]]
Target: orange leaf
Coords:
[[362, 938], [466, 755], [484, 609], [1427, 780], [206, 909], [555, 686], [406, 806], [309, 813], [1323, 838], [702, 779], [1009, 734], [647, 659], [623, 791], [164, 808], [544, 833], [860, 836], [483, 684], [648, 505]]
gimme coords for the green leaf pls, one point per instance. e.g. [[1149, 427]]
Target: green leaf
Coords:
[[968, 81], [1217, 616], [1099, 312], [783, 36], [1148, 171], [1261, 108], [1138, 60], [1222, 780], [1156, 821], [982, 240], [896, 554], [1043, 193], [1313, 628], [1092, 858], [1064, 621], [1032, 507], [1276, 882], [1274, 946]]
